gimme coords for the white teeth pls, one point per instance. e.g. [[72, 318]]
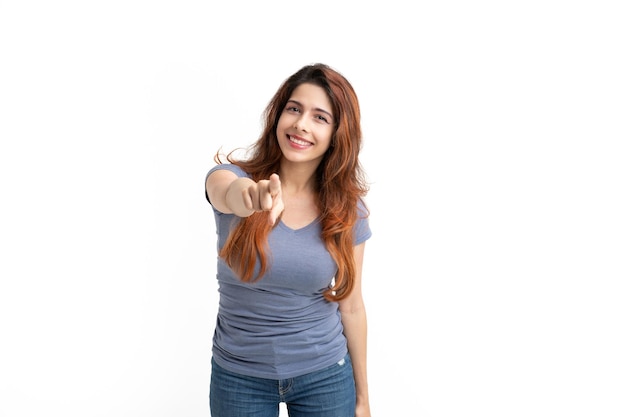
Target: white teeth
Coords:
[[298, 141]]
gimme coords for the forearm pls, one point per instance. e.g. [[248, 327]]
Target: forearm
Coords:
[[355, 330]]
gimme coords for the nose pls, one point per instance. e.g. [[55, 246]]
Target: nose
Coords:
[[300, 123]]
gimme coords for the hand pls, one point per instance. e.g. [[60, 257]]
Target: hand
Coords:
[[265, 195]]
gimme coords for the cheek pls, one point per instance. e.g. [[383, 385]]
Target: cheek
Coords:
[[283, 123], [326, 135]]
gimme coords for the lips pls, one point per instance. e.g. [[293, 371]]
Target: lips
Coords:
[[298, 141]]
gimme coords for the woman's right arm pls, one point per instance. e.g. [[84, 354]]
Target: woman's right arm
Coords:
[[241, 196], [222, 187]]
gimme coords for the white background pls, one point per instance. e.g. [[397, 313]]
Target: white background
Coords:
[[493, 140]]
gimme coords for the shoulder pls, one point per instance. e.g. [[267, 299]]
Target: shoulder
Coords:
[[362, 209], [362, 230]]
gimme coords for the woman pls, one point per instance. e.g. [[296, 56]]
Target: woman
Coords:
[[292, 226]]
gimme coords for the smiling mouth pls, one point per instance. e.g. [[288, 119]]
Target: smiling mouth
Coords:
[[298, 141]]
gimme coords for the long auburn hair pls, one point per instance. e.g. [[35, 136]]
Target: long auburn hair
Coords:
[[340, 182]]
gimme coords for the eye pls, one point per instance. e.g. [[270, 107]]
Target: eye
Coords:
[[293, 109], [322, 118]]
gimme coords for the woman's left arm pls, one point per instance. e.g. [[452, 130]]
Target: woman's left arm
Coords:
[[354, 322]]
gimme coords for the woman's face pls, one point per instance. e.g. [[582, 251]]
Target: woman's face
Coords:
[[306, 125]]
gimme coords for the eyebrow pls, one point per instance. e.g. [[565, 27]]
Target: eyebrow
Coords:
[[316, 108]]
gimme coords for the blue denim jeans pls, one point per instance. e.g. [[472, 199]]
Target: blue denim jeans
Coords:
[[329, 392]]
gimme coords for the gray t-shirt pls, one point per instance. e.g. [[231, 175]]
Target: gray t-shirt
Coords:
[[280, 326]]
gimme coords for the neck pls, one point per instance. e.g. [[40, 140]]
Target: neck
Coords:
[[297, 178]]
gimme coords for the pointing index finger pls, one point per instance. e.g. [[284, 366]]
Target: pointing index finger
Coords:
[[274, 187]]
